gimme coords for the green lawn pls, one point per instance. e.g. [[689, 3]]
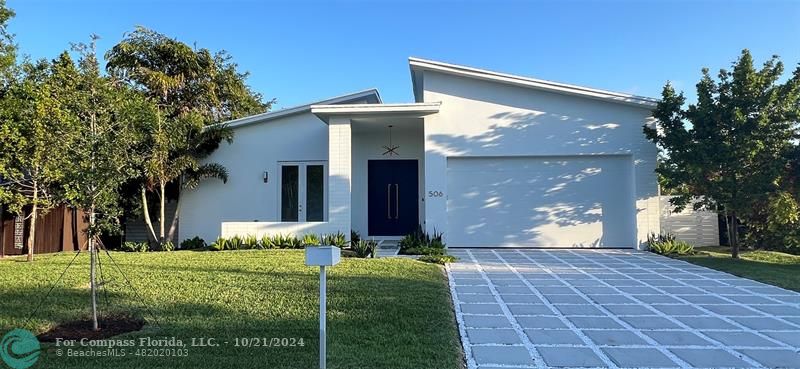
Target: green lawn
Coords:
[[382, 313], [770, 267]]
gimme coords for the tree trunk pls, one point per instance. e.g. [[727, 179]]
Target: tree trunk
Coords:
[[2, 232], [734, 237], [92, 261], [174, 225], [162, 222], [32, 233], [146, 211]]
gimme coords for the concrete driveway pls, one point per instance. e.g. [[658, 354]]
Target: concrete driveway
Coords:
[[616, 309]]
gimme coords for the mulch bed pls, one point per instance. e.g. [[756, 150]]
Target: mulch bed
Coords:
[[109, 326]]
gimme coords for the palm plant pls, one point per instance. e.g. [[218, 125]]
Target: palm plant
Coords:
[[194, 90]]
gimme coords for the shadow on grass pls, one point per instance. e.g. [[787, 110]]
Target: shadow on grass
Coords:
[[782, 275], [373, 321]]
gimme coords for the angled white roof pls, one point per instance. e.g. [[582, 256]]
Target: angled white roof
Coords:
[[419, 65], [371, 96]]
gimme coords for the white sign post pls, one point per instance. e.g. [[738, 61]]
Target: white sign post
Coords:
[[322, 256]]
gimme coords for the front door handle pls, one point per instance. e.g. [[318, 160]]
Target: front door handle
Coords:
[[389, 201], [396, 201]]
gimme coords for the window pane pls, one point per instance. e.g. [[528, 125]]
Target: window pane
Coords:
[[315, 193], [289, 192]]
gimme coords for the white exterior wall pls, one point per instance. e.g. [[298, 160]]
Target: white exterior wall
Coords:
[[246, 199], [488, 119], [369, 146], [340, 175]]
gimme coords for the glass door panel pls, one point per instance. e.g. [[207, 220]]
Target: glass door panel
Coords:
[[290, 186], [315, 193]]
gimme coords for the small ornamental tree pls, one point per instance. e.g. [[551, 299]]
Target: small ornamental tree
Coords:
[[730, 151], [108, 120]]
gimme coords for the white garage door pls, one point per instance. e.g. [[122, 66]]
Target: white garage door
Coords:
[[570, 201]]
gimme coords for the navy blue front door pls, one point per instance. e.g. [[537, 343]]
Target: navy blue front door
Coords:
[[393, 197]]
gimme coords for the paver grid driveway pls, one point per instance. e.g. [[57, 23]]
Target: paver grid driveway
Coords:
[[616, 309]]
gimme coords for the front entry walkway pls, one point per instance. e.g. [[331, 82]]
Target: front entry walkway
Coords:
[[616, 309]]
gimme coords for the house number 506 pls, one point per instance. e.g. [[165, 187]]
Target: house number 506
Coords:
[[435, 193]]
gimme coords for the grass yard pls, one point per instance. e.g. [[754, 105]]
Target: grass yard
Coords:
[[382, 313], [775, 268]]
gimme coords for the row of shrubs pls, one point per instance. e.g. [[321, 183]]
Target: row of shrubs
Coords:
[[144, 246], [276, 241], [430, 246], [667, 244], [356, 247]]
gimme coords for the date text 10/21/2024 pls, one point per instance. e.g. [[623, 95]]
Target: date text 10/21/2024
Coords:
[[173, 342]]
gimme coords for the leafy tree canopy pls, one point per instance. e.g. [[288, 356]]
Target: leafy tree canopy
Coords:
[[184, 80], [193, 89], [732, 149]]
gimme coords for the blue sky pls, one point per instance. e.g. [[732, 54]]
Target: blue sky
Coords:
[[301, 51]]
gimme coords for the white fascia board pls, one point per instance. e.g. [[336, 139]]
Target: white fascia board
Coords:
[[377, 110], [268, 116], [417, 65]]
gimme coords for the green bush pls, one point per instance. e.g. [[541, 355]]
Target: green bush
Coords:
[[364, 248], [280, 241], [266, 242], [667, 244], [438, 259], [220, 244], [130, 246], [193, 243], [337, 239], [354, 236], [165, 246], [418, 240], [235, 243], [425, 251], [310, 240], [249, 242]]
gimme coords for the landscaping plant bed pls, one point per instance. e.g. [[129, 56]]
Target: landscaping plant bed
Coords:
[[78, 329]]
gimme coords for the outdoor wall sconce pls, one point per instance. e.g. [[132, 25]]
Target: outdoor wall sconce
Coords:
[[266, 176]]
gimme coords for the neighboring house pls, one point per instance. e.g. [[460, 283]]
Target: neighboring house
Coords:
[[490, 159], [136, 229]]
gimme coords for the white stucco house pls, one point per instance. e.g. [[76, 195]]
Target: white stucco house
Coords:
[[489, 159]]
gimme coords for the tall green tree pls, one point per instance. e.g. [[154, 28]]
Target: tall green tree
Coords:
[[32, 128], [8, 48], [193, 89], [730, 150], [109, 117]]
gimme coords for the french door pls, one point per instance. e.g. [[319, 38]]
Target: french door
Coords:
[[303, 191]]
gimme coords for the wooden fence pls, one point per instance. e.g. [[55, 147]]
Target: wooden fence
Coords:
[[61, 229]]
